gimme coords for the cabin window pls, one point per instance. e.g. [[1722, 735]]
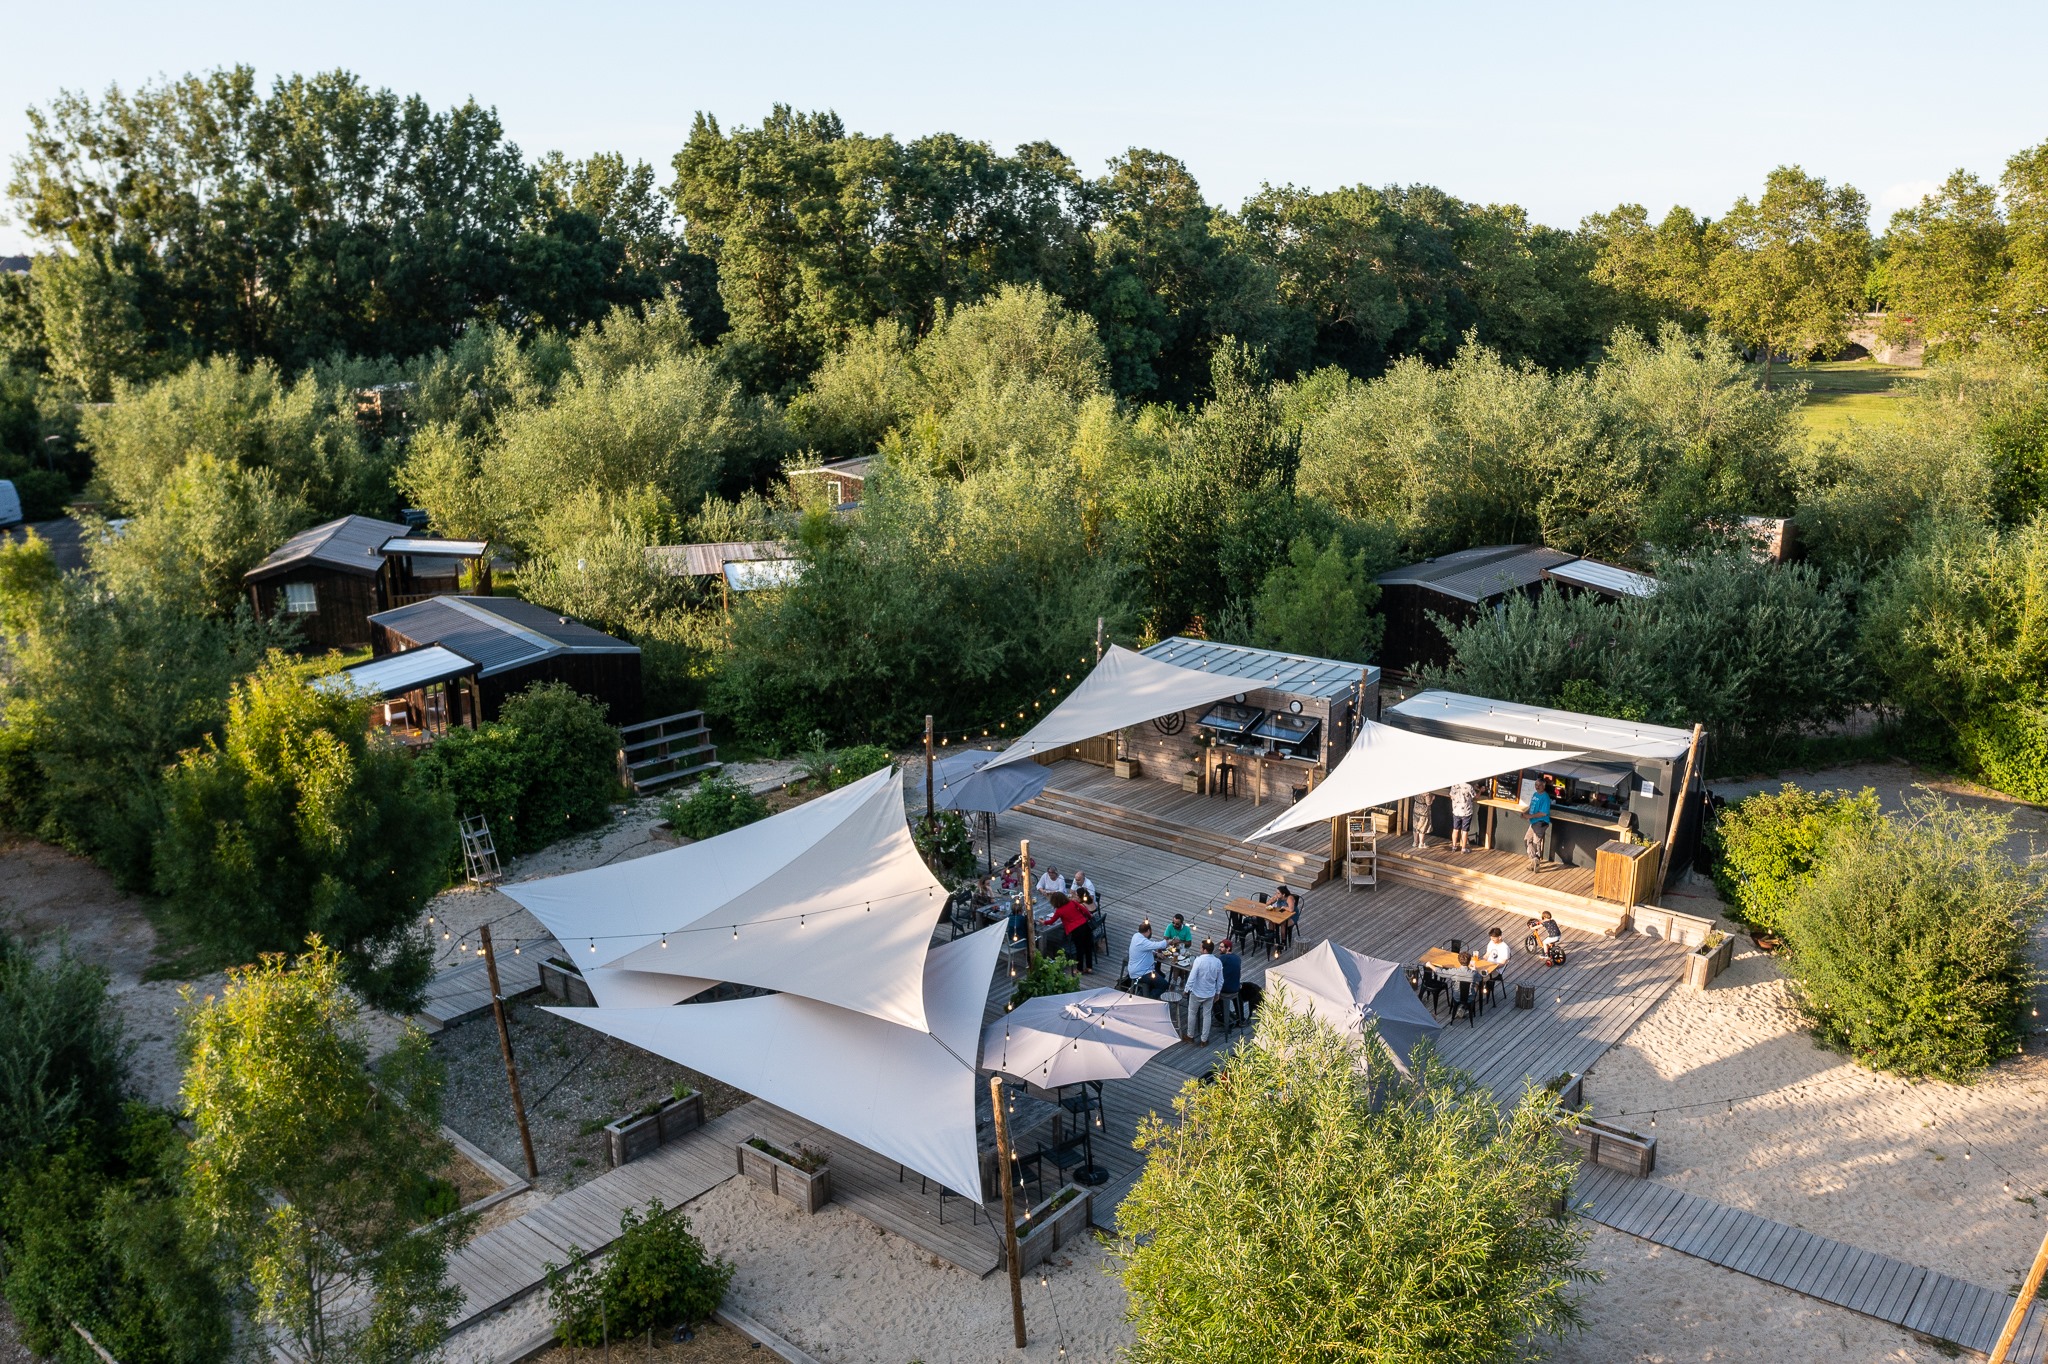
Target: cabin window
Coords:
[[299, 600]]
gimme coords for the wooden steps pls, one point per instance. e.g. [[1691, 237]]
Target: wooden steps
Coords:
[[1499, 892], [1268, 861], [654, 753]]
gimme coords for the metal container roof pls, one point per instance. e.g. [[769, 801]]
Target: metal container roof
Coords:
[[398, 673], [1538, 727], [1615, 582], [1264, 669], [709, 560], [498, 632], [427, 544], [1476, 575], [353, 544], [753, 575]]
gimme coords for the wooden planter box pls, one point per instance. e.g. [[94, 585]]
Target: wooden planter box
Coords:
[[1617, 1148], [1573, 1095], [1126, 768], [1702, 964], [631, 1138], [808, 1190], [1191, 783], [565, 983], [1042, 1230]]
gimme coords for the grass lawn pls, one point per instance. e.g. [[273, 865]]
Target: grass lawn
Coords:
[[1845, 391]]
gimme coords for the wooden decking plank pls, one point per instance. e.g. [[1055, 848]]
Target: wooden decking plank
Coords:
[[1876, 1285], [1971, 1311], [1855, 1277], [1928, 1313], [1768, 1239], [1816, 1276], [1679, 1233], [1735, 1232], [1900, 1294], [1698, 1237]]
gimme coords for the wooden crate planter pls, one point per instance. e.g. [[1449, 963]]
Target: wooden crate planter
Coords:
[[1126, 768], [809, 1190], [1570, 1089], [1046, 1228], [564, 982], [1708, 960], [1191, 783], [642, 1134], [1617, 1148]]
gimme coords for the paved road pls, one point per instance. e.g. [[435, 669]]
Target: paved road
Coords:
[[65, 539]]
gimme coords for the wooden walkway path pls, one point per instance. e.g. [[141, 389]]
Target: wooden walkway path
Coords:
[[1908, 1296], [463, 991]]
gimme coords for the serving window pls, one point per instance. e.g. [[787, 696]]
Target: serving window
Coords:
[[1292, 736], [1230, 722]]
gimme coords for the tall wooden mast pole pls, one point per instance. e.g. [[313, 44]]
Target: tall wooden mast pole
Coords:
[[1684, 794], [1030, 920], [931, 811], [995, 1099], [2019, 1308], [505, 1046]]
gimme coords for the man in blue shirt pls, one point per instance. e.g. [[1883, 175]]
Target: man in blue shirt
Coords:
[[1140, 967], [1537, 844]]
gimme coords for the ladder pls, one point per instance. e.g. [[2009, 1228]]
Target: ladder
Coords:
[[1361, 852], [479, 853]]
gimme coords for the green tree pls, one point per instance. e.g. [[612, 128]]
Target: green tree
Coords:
[[1942, 263], [1768, 846], [208, 524], [63, 1061], [309, 1172], [1319, 602], [1908, 947], [1787, 272], [90, 324], [2024, 299], [294, 822], [545, 768], [1406, 1217]]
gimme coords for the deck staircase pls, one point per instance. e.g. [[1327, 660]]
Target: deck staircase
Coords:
[[656, 752], [1499, 892], [1267, 861]]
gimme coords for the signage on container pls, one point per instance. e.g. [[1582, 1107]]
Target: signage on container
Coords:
[[1524, 741]]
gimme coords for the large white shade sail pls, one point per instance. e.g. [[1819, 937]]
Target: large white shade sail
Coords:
[[1348, 990], [1386, 764], [1125, 688], [905, 1093], [829, 900]]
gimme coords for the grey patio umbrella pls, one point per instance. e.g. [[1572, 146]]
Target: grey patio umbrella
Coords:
[[1346, 989], [963, 781]]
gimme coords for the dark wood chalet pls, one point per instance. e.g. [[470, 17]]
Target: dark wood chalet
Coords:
[[1457, 587], [514, 644], [332, 578]]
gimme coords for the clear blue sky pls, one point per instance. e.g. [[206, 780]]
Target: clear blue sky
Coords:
[[1566, 109]]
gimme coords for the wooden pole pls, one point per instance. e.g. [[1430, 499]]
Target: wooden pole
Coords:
[[995, 1099], [1098, 639], [505, 1046], [1030, 923], [2019, 1308], [1684, 794], [931, 813], [98, 1348]]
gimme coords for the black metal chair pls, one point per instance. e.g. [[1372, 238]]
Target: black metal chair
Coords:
[[1489, 985], [1431, 987], [1464, 996], [1070, 1154]]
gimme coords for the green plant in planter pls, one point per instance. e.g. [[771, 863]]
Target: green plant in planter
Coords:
[[809, 1159], [681, 1092], [716, 805], [947, 844], [656, 1275], [1049, 974]]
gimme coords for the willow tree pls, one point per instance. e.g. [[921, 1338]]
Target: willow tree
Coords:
[[1301, 1211]]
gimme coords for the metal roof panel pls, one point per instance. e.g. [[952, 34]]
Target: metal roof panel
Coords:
[[1295, 674], [1539, 726]]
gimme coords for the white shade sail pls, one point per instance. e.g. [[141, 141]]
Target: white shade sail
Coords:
[[1056, 1040], [1387, 764], [1347, 990], [905, 1093], [829, 900], [1125, 688]]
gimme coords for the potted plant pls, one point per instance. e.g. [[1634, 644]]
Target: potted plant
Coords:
[[1060, 1220], [560, 978], [1709, 959], [802, 1176], [1569, 1087], [643, 1131]]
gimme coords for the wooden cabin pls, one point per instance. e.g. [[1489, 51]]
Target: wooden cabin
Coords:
[[842, 481], [417, 696], [333, 577], [514, 644], [1457, 587]]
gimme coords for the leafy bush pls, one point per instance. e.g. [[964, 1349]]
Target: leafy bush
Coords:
[[1050, 973], [296, 822], [946, 843], [1394, 1208], [1907, 948], [716, 805], [62, 1060], [655, 1276], [102, 1241], [1767, 846], [849, 765], [548, 766], [2007, 745], [1319, 602]]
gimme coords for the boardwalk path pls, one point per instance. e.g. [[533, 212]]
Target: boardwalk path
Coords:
[[1908, 1296]]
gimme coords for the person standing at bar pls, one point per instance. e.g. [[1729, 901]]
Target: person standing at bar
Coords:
[[1418, 815], [1464, 804]]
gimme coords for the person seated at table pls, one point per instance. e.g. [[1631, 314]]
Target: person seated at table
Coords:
[[1285, 899], [1081, 888], [1178, 931], [1009, 882], [1142, 964], [1050, 880], [1205, 982], [1497, 948], [1074, 918]]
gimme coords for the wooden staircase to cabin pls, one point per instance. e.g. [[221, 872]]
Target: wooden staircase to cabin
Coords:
[[654, 753], [1267, 861], [1498, 892]]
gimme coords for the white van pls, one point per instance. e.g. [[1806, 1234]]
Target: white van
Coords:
[[10, 504]]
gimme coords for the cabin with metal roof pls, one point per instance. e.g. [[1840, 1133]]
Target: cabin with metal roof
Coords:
[[416, 696], [842, 481], [1590, 575], [1293, 720], [514, 644], [708, 560], [331, 578], [1458, 587]]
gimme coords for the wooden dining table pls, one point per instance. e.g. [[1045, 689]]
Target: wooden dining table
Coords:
[[1442, 961], [1259, 909]]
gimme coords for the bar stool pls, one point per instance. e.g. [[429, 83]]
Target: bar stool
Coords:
[[1226, 779]]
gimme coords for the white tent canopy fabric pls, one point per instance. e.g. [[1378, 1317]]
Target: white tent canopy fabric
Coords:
[[1387, 764], [1066, 1039], [830, 901], [1347, 990], [1125, 688], [906, 1093]]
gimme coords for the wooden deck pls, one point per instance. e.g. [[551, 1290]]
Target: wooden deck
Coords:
[[464, 990], [1908, 1296]]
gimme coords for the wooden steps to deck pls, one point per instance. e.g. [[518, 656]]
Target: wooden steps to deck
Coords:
[[1500, 892], [654, 753], [1268, 861]]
